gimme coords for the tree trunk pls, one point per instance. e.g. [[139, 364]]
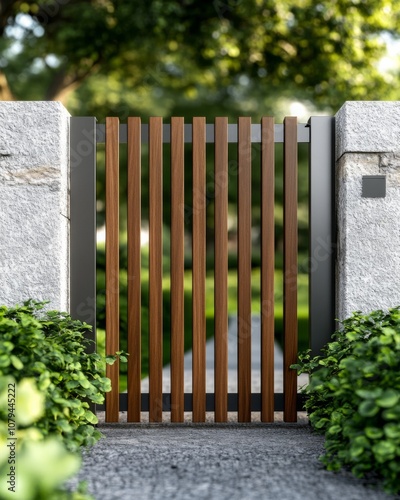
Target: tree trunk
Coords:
[[65, 82], [62, 94], [5, 91]]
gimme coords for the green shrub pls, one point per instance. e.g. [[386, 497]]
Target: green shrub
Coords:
[[354, 396], [31, 467], [50, 347]]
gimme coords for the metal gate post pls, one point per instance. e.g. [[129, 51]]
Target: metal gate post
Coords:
[[83, 223], [322, 232]]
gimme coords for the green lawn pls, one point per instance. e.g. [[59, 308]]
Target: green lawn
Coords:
[[232, 306]]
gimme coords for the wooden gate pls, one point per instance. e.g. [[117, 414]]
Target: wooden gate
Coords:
[[251, 139]]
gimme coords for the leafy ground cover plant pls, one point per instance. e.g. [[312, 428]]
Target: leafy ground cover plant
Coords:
[[50, 347], [32, 467], [354, 396]]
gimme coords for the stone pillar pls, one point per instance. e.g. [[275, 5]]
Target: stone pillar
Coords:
[[34, 203], [368, 258]]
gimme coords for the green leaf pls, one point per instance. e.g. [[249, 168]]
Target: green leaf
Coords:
[[84, 382], [384, 449], [392, 431], [97, 398], [6, 346], [323, 422], [356, 451], [44, 382], [352, 336], [385, 339], [362, 441], [368, 408], [110, 360], [336, 417], [64, 425], [334, 429], [373, 432], [16, 362], [4, 361], [91, 417], [72, 384], [106, 384], [30, 402], [391, 413], [388, 399], [369, 394]]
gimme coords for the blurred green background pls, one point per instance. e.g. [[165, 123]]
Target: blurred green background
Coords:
[[194, 58]]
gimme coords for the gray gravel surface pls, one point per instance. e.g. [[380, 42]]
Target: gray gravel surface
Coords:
[[218, 461]]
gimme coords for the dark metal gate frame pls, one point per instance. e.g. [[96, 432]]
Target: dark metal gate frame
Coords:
[[85, 134]]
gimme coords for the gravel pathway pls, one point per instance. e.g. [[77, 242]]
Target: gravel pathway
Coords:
[[225, 461]]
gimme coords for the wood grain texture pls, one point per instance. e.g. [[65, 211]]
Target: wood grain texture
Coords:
[[221, 270], [199, 270], [112, 264], [290, 268], [134, 269], [244, 269], [267, 268], [177, 269], [155, 269]]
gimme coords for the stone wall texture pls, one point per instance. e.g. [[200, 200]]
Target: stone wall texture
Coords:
[[34, 206], [368, 258]]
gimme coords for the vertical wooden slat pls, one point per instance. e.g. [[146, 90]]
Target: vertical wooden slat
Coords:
[[177, 269], [221, 270], [199, 270], [244, 270], [134, 266], [290, 268], [267, 268], [155, 270], [112, 264]]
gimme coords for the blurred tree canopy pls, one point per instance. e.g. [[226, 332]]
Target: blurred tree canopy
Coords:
[[124, 55], [196, 57]]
